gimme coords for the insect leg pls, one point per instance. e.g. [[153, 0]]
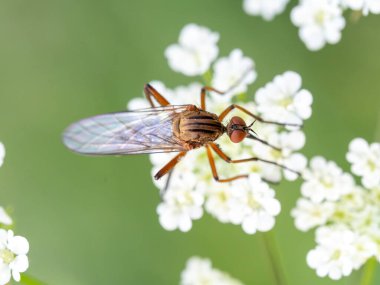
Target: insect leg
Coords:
[[203, 95], [233, 86], [151, 92], [226, 158], [214, 171], [170, 165], [256, 117]]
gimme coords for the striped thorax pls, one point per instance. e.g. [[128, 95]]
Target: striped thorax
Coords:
[[195, 127]]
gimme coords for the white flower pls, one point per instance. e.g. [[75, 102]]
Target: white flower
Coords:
[[366, 6], [325, 180], [365, 248], [13, 259], [234, 71], [2, 153], [287, 142], [181, 204], [5, 219], [195, 51], [365, 161], [199, 271], [338, 252], [268, 9], [307, 214], [259, 204], [224, 203], [320, 22], [333, 255], [283, 100]]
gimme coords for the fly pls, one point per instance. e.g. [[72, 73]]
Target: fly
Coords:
[[165, 128]]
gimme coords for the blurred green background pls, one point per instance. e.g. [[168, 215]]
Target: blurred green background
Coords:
[[93, 220]]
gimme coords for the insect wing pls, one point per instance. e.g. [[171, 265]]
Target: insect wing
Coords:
[[131, 132]]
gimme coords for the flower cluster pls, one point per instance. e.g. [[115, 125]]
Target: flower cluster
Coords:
[[347, 216], [320, 22], [192, 189], [199, 271], [13, 249]]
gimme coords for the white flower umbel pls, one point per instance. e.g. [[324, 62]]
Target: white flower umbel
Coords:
[[13, 259], [319, 22], [192, 188], [196, 50], [338, 252], [5, 219], [365, 161], [181, 204], [283, 100], [235, 71], [2, 153], [268, 9], [308, 214], [325, 181], [366, 6], [348, 216], [199, 271]]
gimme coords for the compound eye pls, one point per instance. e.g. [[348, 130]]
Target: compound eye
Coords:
[[237, 136], [237, 121]]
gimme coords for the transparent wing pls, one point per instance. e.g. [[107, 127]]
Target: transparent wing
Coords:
[[131, 132]]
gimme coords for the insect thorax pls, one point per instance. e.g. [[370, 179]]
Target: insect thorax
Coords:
[[195, 128]]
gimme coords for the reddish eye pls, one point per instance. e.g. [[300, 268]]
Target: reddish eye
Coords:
[[237, 121], [237, 136]]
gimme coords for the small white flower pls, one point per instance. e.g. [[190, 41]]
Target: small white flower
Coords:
[[325, 181], [2, 153], [268, 9], [181, 204], [287, 142], [224, 203], [366, 6], [196, 50], [199, 271], [320, 22], [235, 71], [5, 219], [308, 215], [365, 248], [13, 259], [259, 204], [365, 161], [283, 100], [333, 255]]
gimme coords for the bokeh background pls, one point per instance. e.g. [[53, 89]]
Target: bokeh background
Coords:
[[93, 220]]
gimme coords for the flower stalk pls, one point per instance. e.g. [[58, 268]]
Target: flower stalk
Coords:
[[274, 257], [368, 272]]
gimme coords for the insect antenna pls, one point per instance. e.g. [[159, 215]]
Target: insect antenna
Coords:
[[254, 137]]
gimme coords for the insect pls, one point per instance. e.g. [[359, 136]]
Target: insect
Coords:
[[165, 128]]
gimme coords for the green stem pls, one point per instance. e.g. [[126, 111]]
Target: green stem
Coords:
[[368, 272], [274, 257], [207, 77], [29, 280]]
